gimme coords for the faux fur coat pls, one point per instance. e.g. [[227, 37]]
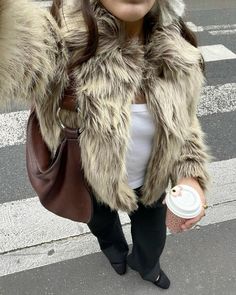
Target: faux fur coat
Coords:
[[32, 66]]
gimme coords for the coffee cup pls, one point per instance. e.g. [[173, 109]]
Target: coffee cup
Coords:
[[183, 202]]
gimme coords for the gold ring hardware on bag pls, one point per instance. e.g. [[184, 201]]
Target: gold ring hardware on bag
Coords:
[[61, 124], [205, 206]]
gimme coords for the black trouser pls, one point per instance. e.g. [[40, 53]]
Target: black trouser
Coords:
[[148, 232]]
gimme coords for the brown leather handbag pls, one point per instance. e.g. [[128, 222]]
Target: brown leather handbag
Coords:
[[58, 182]]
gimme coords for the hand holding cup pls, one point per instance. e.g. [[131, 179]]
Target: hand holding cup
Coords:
[[184, 207]]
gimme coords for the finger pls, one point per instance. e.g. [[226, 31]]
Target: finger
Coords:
[[164, 201], [190, 223], [186, 227]]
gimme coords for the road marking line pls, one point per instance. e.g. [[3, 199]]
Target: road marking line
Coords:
[[13, 127], [44, 4], [194, 27], [31, 236], [219, 27], [78, 246], [215, 99], [216, 52], [225, 29], [223, 32]]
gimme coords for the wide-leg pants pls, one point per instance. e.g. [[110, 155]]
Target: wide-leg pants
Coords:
[[148, 231]]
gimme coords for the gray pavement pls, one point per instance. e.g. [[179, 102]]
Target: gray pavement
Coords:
[[201, 262]]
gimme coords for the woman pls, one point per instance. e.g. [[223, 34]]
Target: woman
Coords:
[[137, 75]]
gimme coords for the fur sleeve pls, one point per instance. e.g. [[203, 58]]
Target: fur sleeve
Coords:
[[33, 55], [195, 153]]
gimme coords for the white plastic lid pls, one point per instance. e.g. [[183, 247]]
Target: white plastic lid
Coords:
[[188, 205]]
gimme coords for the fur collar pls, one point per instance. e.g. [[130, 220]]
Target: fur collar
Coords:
[[166, 69]]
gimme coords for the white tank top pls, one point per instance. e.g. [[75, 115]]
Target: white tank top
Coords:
[[140, 145]]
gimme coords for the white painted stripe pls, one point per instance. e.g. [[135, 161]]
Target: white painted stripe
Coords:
[[223, 32], [219, 27], [78, 246], [31, 236], [216, 52], [44, 4], [215, 99], [13, 125], [225, 28], [194, 27], [26, 223]]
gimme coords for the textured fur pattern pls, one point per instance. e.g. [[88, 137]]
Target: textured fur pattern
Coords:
[[166, 69], [33, 60]]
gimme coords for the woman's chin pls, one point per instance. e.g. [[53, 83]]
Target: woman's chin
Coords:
[[130, 12], [132, 16]]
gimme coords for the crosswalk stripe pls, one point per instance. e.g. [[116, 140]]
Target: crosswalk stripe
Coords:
[[223, 32], [13, 127], [216, 52], [194, 27], [215, 99], [219, 27], [44, 4], [224, 29], [31, 236]]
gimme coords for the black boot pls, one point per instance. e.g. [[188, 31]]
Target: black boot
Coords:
[[117, 258], [120, 268], [163, 281]]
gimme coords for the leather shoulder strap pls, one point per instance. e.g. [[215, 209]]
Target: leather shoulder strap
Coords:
[[68, 100]]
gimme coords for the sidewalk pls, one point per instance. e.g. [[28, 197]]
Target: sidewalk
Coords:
[[201, 262]]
